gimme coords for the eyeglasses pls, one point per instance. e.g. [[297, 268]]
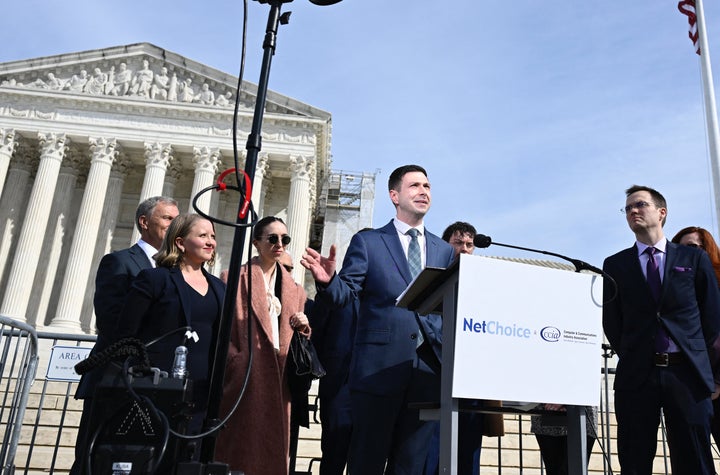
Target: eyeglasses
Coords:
[[692, 244], [638, 204], [275, 238], [288, 268]]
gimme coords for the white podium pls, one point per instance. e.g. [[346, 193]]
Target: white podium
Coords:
[[515, 332]]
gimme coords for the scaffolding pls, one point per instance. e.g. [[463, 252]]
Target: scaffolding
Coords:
[[345, 206]]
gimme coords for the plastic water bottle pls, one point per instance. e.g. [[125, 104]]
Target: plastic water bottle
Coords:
[[179, 369]]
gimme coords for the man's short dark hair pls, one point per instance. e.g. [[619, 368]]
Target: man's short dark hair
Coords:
[[458, 226], [147, 207], [656, 196], [397, 175]]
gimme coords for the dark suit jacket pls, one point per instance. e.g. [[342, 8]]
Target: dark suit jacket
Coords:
[[157, 304], [689, 308], [333, 334], [376, 272], [115, 275]]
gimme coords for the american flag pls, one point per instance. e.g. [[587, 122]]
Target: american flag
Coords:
[[687, 7]]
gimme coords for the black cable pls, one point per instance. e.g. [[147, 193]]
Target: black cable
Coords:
[[170, 333], [126, 347], [236, 155]]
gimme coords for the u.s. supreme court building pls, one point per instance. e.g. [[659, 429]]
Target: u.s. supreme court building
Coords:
[[84, 137]]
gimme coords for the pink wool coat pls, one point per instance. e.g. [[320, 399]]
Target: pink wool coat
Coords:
[[257, 437]]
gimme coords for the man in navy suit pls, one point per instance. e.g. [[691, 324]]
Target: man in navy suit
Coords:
[[333, 335], [112, 283], [662, 317], [396, 351]]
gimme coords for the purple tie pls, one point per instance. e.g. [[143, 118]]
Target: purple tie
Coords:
[[653, 273], [653, 280]]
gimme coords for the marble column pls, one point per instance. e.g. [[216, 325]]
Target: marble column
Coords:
[[27, 255], [298, 211], [86, 231], [58, 235], [111, 208], [8, 143], [12, 208], [206, 161], [158, 157], [172, 176]]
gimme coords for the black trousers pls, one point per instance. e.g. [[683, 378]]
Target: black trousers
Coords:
[[554, 452], [688, 410]]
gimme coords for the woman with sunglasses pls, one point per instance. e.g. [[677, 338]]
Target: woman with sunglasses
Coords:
[[695, 236], [257, 437]]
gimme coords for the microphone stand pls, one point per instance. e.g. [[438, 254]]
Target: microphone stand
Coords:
[[254, 143], [483, 241], [579, 265]]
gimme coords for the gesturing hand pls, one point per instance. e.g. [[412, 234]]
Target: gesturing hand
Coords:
[[321, 268]]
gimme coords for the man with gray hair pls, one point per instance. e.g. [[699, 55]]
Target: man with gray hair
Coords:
[[112, 283]]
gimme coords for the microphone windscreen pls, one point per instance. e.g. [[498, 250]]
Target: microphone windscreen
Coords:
[[325, 2], [482, 240]]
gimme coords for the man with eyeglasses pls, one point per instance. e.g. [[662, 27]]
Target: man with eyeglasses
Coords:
[[396, 352], [662, 317]]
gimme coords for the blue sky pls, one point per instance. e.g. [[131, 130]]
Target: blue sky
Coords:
[[530, 117]]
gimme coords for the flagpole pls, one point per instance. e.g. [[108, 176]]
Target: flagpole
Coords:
[[711, 118]]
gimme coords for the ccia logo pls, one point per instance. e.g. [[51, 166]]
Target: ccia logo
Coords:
[[550, 334]]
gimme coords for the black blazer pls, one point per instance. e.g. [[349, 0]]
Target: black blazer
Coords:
[[333, 334], [157, 304], [689, 309], [114, 277]]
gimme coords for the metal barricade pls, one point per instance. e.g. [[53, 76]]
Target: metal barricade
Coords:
[[52, 416], [18, 366]]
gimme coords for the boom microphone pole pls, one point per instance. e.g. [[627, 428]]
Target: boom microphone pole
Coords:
[[254, 144]]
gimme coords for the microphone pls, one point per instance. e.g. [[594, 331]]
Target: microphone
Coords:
[[324, 2], [483, 241]]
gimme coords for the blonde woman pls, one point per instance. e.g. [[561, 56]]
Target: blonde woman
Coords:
[[179, 293]]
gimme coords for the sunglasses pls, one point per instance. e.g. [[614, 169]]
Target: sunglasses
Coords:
[[275, 238]]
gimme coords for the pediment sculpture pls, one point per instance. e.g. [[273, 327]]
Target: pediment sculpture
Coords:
[[158, 85]]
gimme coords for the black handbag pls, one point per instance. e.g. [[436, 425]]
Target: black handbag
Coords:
[[304, 364]]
